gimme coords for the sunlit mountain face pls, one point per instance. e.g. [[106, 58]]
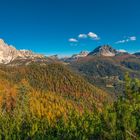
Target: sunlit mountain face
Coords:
[[9, 53]]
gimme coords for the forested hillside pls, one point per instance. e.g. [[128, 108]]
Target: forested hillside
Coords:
[[108, 72], [58, 79], [28, 110], [50, 100]]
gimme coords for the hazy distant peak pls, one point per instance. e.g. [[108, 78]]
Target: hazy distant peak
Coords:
[[105, 50]]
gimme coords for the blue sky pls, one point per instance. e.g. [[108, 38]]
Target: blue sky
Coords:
[[65, 27]]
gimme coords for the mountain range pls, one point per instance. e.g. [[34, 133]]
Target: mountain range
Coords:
[[106, 67], [9, 53], [103, 67]]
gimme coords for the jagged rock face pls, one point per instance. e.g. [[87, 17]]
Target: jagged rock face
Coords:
[[9, 53], [105, 50], [81, 54], [75, 56]]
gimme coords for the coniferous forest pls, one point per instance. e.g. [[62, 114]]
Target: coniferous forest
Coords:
[[35, 104]]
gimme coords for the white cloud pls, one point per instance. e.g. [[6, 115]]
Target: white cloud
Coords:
[[90, 35], [73, 40], [133, 38], [120, 41], [93, 36], [82, 36], [128, 39]]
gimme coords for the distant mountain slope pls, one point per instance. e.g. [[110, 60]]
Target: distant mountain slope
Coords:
[[105, 50], [29, 61], [75, 56], [105, 70]]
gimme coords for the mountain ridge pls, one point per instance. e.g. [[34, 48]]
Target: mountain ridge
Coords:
[[9, 53], [104, 50]]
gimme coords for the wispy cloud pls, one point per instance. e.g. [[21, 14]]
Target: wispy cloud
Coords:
[[93, 36], [120, 41], [82, 36], [128, 39], [132, 38], [73, 40]]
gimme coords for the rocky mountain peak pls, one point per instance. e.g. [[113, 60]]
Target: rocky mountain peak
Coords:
[[2, 42], [104, 50], [9, 53], [81, 54]]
